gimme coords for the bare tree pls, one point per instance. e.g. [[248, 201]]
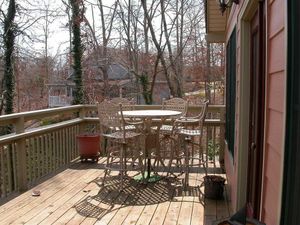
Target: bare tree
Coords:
[[77, 15], [106, 33], [9, 44]]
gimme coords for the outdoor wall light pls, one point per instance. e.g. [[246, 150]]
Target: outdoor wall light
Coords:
[[224, 4]]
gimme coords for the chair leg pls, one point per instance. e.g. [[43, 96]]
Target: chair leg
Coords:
[[107, 165], [104, 177], [186, 162], [122, 165], [171, 159], [141, 165]]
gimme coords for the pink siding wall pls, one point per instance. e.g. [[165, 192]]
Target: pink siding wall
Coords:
[[275, 98], [275, 104], [231, 165]]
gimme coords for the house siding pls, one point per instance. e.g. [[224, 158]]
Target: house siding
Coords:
[[275, 110], [275, 117], [231, 164]]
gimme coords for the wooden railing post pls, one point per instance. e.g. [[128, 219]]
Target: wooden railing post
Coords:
[[222, 137], [21, 155]]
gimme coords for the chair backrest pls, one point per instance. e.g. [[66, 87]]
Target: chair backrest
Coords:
[[201, 116], [203, 112], [126, 104], [110, 116], [176, 104]]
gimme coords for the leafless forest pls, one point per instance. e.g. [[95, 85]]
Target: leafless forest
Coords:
[[160, 44]]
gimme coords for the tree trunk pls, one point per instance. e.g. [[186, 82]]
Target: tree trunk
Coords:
[[9, 43], [77, 51], [177, 77], [173, 89]]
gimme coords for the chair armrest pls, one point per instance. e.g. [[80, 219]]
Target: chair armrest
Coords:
[[186, 120]]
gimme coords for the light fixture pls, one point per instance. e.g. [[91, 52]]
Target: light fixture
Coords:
[[226, 4]]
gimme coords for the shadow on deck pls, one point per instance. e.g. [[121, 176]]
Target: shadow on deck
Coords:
[[76, 196]]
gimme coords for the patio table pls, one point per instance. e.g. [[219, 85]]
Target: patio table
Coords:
[[147, 116]]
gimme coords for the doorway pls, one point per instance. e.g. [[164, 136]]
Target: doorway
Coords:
[[256, 112]]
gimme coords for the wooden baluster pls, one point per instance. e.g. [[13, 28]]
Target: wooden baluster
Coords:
[[33, 158], [61, 149], [2, 173], [57, 155], [52, 150], [29, 160], [21, 150], [10, 175], [15, 171], [43, 155]]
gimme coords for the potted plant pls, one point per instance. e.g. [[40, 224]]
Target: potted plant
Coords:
[[213, 150], [214, 186], [89, 146]]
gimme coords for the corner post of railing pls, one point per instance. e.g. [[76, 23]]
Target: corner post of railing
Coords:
[[222, 136], [82, 116], [21, 151]]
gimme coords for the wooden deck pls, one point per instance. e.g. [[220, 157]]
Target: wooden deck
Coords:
[[75, 196]]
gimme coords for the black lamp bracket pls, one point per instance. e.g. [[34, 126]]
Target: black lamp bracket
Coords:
[[224, 5]]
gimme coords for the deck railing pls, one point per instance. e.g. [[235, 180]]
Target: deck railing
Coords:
[[44, 141]]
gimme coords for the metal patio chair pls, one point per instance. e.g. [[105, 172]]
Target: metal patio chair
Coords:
[[122, 144], [128, 105], [167, 144], [190, 131]]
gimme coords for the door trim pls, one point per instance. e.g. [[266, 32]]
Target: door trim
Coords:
[[246, 13], [258, 82]]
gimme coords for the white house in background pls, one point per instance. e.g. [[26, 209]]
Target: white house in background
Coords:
[[60, 94]]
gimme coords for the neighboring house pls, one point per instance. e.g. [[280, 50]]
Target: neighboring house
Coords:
[[121, 82], [262, 158]]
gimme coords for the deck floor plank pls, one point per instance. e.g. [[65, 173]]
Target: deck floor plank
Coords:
[[113, 203], [189, 196], [126, 206], [26, 197], [54, 211], [76, 217], [75, 196], [153, 195], [50, 193], [59, 198]]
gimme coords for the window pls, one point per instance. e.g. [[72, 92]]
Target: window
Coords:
[[230, 90]]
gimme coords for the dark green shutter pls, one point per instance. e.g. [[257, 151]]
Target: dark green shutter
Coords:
[[230, 90]]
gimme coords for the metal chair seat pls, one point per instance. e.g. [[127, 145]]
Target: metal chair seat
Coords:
[[121, 135], [130, 127], [189, 132]]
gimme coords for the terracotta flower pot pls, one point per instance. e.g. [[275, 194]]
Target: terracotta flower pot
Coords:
[[89, 146], [214, 187]]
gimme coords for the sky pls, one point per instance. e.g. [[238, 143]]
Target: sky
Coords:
[[58, 37]]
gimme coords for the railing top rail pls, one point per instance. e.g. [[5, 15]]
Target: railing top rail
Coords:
[[38, 114], [30, 115], [194, 106], [41, 112]]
